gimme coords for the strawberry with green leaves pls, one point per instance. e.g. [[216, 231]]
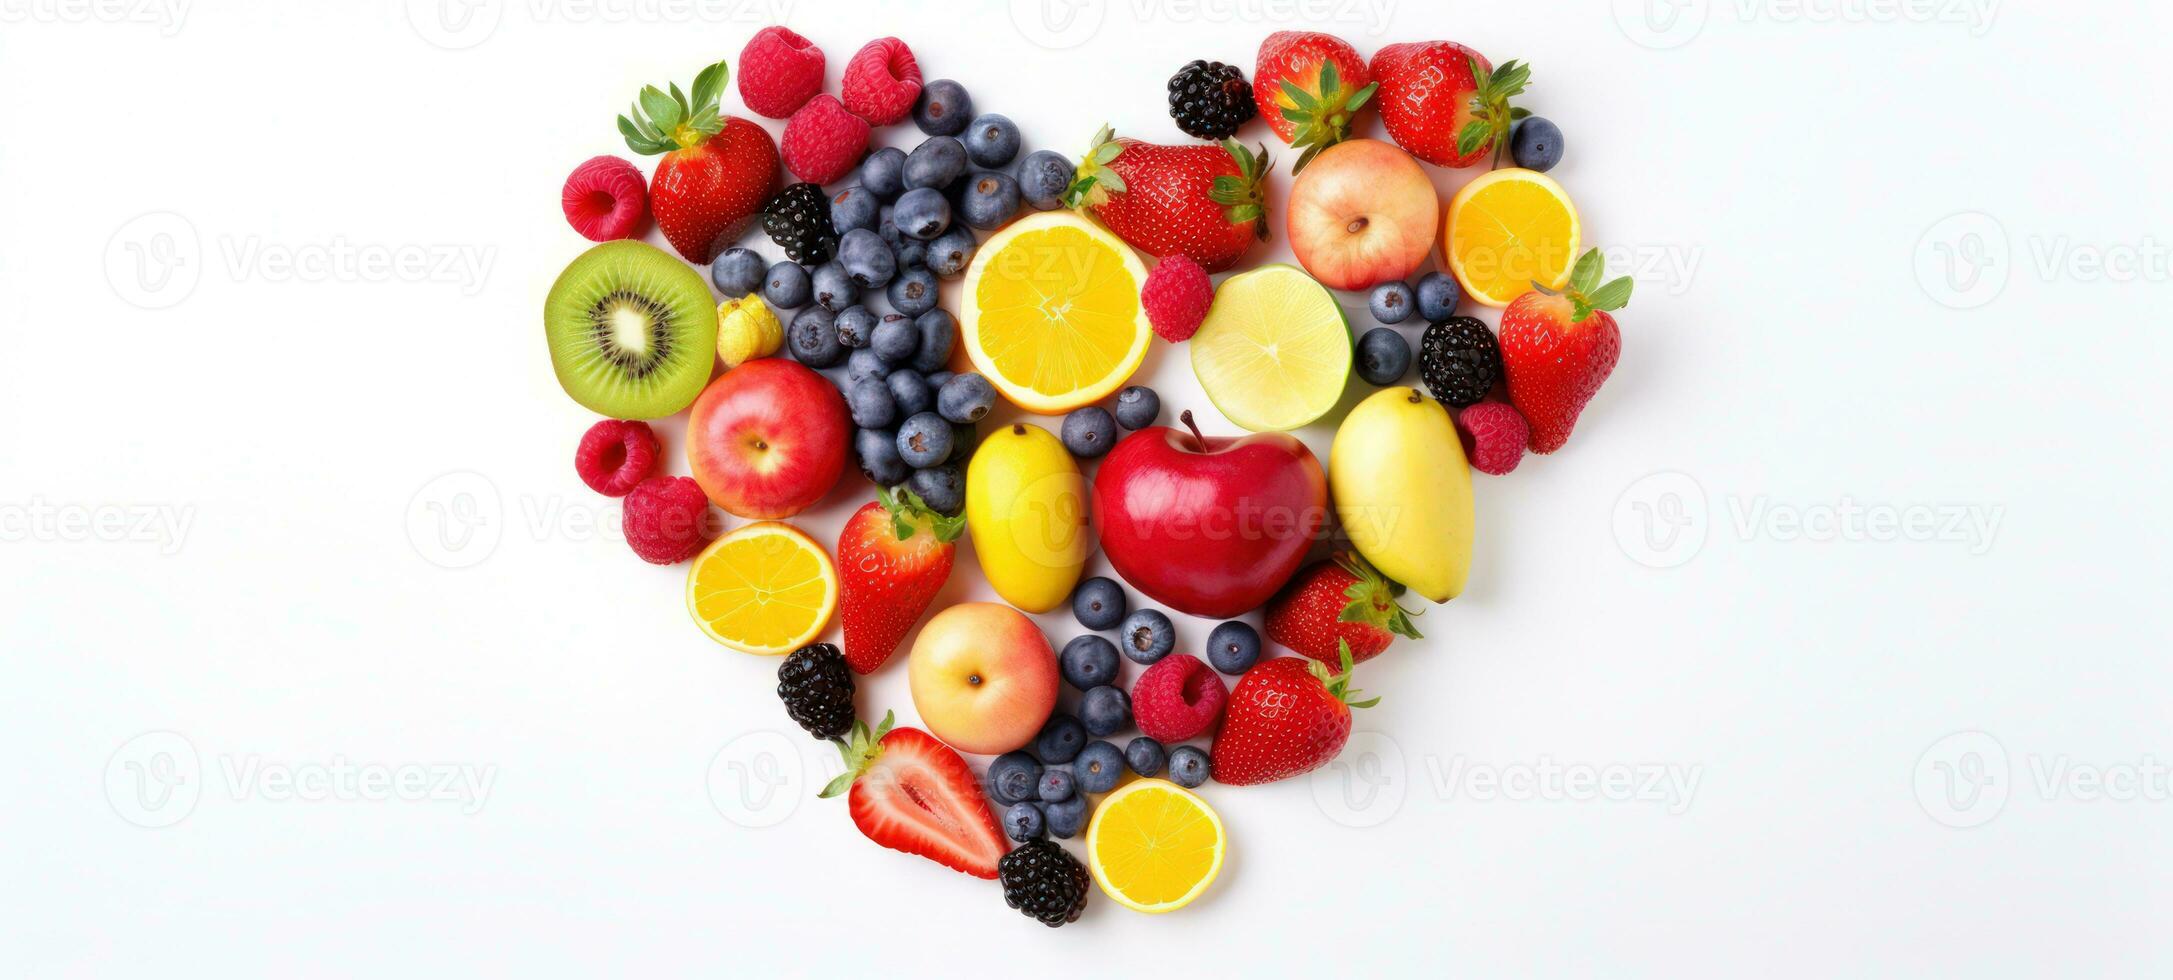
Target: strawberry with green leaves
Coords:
[[1341, 604], [715, 171], [893, 557], [1558, 348], [1310, 87], [1206, 201], [1285, 718], [1445, 103]]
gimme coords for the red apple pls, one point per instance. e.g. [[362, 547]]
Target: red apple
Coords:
[[1209, 526], [768, 438], [1361, 214], [983, 677]]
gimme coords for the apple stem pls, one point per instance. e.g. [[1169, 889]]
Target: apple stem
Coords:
[[1186, 417]]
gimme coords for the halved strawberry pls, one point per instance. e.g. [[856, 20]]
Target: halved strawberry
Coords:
[[915, 794]]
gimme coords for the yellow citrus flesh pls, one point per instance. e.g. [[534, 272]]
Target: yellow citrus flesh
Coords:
[[1051, 312], [1507, 230], [766, 589], [1275, 350], [1153, 846]]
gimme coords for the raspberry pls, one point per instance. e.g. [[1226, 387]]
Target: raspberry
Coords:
[[778, 72], [1493, 435], [667, 519], [1177, 295], [605, 199], [882, 81], [615, 456], [823, 141], [1177, 698]]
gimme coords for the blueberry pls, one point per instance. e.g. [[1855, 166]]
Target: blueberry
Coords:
[[1145, 756], [936, 381], [942, 488], [990, 201], [1056, 786], [738, 271], [1106, 710], [935, 163], [1535, 143], [1233, 647], [862, 364], [895, 340], [923, 213], [883, 173], [1138, 407], [1067, 817], [1089, 432], [1023, 822], [1438, 295], [962, 441], [1060, 740], [912, 254], [853, 208], [864, 256], [951, 252], [944, 108], [992, 140], [965, 398], [856, 326], [877, 450], [913, 292], [1391, 302], [1088, 661], [924, 440], [1044, 176], [938, 331], [1098, 767], [1383, 356], [911, 393], [1187, 766], [872, 404], [1098, 603], [786, 287], [834, 288], [814, 338], [1146, 636], [1012, 777]]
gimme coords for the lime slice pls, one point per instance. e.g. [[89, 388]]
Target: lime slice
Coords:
[[1274, 351]]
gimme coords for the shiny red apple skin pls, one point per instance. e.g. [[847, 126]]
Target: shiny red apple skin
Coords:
[[768, 439], [1209, 526]]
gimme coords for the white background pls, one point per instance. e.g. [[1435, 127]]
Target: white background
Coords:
[[1813, 336]]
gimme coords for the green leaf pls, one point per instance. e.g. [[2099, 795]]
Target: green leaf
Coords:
[[1520, 113], [1585, 275], [1305, 158], [663, 113], [1471, 137], [1613, 296], [1111, 180], [709, 84], [1367, 703], [681, 98], [1328, 80], [1364, 95], [1579, 310], [1479, 74], [1302, 99]]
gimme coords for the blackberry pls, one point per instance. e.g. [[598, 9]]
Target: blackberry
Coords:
[[817, 688], [1210, 100], [1459, 360], [798, 220], [1044, 881]]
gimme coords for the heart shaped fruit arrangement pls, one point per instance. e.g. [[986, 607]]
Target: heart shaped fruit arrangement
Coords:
[[1056, 307]]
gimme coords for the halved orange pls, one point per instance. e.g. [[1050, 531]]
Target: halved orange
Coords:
[[1051, 312], [1154, 846], [766, 589], [1507, 230]]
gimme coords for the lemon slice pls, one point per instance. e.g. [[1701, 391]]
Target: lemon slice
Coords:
[[1507, 230], [1051, 312], [1274, 351], [1153, 846], [765, 588]]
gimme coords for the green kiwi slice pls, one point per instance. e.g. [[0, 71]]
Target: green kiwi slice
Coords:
[[633, 332]]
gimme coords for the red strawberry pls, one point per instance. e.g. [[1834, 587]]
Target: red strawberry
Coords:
[[1558, 348], [1340, 603], [1203, 201], [914, 794], [893, 557], [1286, 718], [1445, 103], [716, 170], [1310, 88]]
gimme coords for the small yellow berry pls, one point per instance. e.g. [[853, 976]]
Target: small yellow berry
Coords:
[[746, 329]]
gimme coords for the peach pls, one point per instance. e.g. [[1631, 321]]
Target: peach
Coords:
[[983, 677], [1361, 214]]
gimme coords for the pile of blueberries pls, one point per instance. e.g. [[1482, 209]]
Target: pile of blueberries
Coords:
[[905, 224], [1043, 788], [1384, 356]]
